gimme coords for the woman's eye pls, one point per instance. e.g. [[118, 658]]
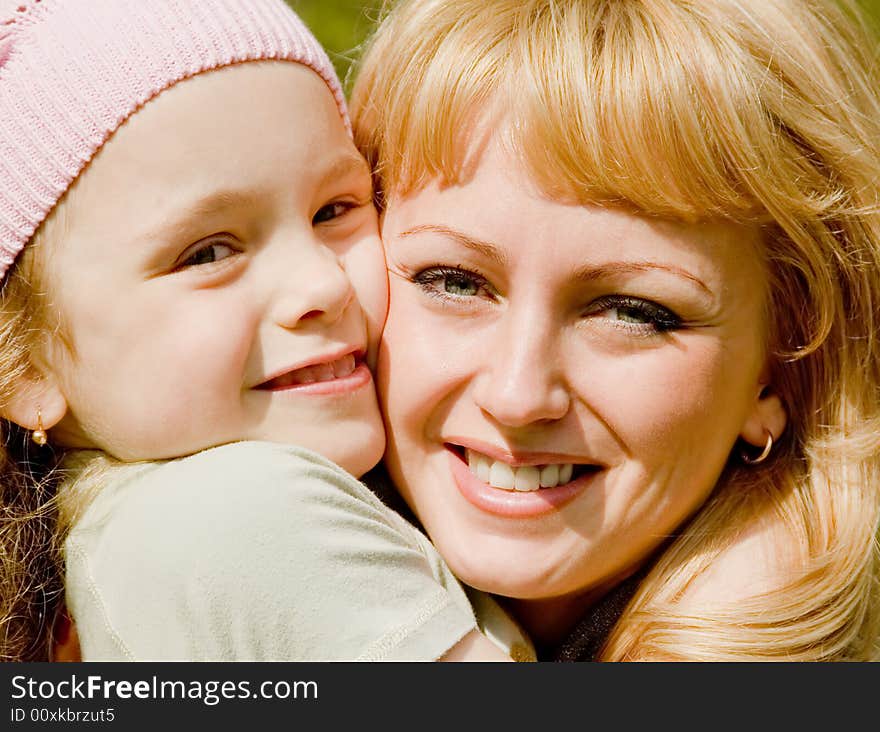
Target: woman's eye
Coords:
[[635, 313], [207, 254], [452, 282], [631, 315], [331, 211]]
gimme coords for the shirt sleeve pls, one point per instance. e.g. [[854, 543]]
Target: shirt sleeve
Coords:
[[255, 551]]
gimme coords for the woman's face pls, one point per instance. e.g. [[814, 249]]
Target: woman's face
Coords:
[[612, 358]]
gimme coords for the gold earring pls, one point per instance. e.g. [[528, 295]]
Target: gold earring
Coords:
[[764, 453], [39, 434]]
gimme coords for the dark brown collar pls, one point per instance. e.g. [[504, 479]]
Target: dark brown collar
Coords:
[[587, 637]]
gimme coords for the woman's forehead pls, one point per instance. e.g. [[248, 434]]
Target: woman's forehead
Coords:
[[498, 214]]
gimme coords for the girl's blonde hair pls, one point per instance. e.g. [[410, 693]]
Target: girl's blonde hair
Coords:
[[31, 587], [760, 111], [43, 490]]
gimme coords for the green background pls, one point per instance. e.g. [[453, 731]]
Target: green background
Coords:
[[341, 25]]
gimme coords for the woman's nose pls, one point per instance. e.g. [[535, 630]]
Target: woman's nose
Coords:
[[313, 287], [521, 380]]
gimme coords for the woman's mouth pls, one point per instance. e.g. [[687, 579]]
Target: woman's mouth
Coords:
[[521, 491], [523, 478]]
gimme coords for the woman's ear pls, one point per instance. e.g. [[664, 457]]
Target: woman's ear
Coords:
[[36, 402], [768, 415]]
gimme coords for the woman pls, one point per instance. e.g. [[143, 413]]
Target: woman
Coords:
[[630, 369]]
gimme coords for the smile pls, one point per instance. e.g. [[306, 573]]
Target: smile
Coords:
[[522, 478], [516, 492], [342, 374]]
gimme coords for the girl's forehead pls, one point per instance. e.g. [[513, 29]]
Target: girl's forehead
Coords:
[[240, 132]]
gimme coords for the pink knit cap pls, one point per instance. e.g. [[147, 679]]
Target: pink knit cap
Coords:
[[72, 71]]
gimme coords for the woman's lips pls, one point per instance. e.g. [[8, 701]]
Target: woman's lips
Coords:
[[515, 503]]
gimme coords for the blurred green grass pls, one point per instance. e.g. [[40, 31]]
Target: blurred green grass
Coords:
[[341, 25]]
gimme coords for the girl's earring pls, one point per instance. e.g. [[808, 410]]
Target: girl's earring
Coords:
[[764, 453], [39, 434]]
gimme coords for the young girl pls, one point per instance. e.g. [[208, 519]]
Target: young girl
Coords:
[[192, 291], [631, 362]]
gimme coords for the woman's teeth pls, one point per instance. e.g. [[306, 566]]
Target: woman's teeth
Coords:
[[524, 478]]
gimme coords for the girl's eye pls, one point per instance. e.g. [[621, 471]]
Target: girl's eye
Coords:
[[453, 283], [631, 312], [331, 211], [207, 254]]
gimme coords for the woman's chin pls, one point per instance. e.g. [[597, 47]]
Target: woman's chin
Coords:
[[507, 572]]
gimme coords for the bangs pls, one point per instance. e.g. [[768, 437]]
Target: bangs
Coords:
[[676, 109], [644, 114]]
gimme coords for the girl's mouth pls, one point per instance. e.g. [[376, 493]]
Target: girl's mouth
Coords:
[[338, 369], [338, 377]]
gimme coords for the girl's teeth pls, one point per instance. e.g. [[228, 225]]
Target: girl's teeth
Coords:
[[338, 369], [524, 478], [306, 375], [343, 367], [324, 372]]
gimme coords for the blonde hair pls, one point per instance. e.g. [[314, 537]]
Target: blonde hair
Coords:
[[31, 587], [760, 111], [35, 513]]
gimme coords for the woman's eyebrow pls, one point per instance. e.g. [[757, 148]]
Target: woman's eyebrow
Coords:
[[469, 242], [591, 272], [587, 273]]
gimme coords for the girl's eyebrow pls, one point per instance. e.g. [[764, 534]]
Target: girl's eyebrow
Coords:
[[218, 201], [587, 273], [180, 220], [348, 163]]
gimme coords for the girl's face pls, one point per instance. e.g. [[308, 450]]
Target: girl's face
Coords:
[[221, 277], [562, 384]]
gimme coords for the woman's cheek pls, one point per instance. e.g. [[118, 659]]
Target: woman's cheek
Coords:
[[660, 402], [426, 361]]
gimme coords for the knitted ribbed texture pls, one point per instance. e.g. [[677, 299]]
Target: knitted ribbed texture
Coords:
[[72, 71]]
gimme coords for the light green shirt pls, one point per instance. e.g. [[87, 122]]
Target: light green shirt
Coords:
[[256, 551]]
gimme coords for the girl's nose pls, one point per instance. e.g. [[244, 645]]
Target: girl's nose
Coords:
[[314, 287], [521, 380]]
